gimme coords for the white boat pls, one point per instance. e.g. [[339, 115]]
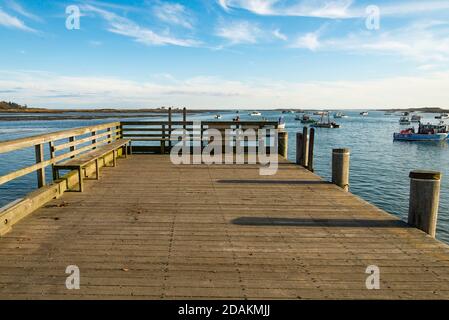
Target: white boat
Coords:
[[340, 115], [255, 114], [404, 121], [281, 123], [218, 116], [364, 113]]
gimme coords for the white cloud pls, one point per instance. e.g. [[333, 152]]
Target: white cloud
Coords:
[[9, 21], [423, 41], [279, 35], [308, 8], [308, 41], [129, 28], [238, 32], [175, 14], [52, 90], [331, 9], [15, 6]]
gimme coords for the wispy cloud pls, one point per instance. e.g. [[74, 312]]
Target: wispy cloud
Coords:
[[331, 9], [307, 8], [18, 8], [238, 32], [175, 14], [420, 41], [126, 27], [12, 22], [279, 35]]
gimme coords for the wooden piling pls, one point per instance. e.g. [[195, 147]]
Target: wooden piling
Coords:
[[424, 200], [283, 143], [169, 127], [340, 168], [305, 147], [311, 150], [299, 153]]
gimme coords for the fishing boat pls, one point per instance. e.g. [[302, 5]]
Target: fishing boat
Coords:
[[426, 132], [306, 119], [416, 118], [404, 121], [442, 116], [326, 124], [217, 116], [255, 114], [364, 113], [340, 115], [281, 123]]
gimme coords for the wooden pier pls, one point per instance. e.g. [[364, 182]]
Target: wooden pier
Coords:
[[154, 230]]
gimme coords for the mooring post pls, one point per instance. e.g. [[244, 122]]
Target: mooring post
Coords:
[[424, 200], [340, 168], [311, 149], [283, 143], [299, 142], [184, 117], [169, 128], [305, 147]]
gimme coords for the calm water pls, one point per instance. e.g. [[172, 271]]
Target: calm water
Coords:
[[379, 166]]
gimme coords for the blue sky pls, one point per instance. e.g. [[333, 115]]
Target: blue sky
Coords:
[[225, 53]]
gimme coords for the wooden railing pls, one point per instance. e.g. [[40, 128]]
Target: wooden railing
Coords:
[[160, 131], [61, 145]]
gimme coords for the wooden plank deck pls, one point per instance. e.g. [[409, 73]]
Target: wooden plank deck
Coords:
[[150, 229]]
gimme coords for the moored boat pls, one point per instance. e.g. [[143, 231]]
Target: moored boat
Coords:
[[281, 123], [340, 115], [326, 124], [306, 119], [255, 114], [416, 118], [364, 113], [426, 132], [442, 116], [404, 121], [217, 116]]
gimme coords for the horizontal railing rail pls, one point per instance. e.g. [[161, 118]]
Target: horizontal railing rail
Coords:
[[61, 145]]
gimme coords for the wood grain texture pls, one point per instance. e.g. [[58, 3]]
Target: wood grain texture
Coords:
[[149, 229]]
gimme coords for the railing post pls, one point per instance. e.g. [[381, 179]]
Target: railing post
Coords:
[[51, 145], [424, 200], [109, 135], [283, 143], [163, 140], [39, 150], [94, 141], [72, 148], [340, 168], [311, 150], [305, 147]]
